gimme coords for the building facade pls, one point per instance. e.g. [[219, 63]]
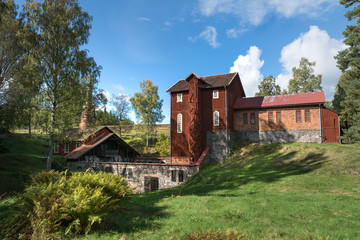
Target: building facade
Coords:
[[214, 110]]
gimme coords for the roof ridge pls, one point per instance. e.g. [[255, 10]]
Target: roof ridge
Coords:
[[218, 75]]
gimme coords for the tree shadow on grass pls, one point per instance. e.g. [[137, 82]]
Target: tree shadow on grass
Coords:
[[142, 211]]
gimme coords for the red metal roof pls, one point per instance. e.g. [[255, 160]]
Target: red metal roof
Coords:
[[281, 100]]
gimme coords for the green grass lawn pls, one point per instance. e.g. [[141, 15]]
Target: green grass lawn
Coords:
[[21, 156], [309, 191]]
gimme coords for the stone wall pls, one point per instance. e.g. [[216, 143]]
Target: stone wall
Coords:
[[135, 176], [218, 144], [279, 136]]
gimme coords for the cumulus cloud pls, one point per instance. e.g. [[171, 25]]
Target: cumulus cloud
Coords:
[[315, 45], [248, 67], [254, 12], [209, 35]]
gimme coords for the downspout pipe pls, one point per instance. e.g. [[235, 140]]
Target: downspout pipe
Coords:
[[321, 129], [170, 127], [226, 124]]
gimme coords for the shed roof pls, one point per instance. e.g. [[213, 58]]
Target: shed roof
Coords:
[[213, 81], [308, 98]]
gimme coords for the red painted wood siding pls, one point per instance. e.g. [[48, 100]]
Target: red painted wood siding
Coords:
[[330, 125]]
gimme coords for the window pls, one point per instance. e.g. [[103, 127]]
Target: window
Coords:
[[278, 117], [245, 119], [298, 116], [179, 123], [66, 150], [270, 117], [181, 175], [179, 97], [56, 149], [129, 172], [252, 118], [173, 175], [216, 118], [307, 115], [78, 144], [216, 94]]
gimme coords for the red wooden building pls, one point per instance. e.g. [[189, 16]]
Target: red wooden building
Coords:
[[212, 110]]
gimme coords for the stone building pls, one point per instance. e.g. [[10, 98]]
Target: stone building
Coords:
[[212, 111]]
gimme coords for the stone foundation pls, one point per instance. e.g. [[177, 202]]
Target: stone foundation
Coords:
[[280, 136], [135, 173], [218, 144]]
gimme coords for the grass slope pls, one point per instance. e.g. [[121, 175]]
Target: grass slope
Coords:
[[264, 191], [19, 157]]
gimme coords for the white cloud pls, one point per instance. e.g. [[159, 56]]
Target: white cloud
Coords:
[[119, 87], [143, 19], [248, 67], [209, 35], [315, 45], [234, 33], [254, 12]]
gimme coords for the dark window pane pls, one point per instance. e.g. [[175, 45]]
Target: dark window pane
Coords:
[[181, 175], [245, 119], [298, 116], [278, 117], [307, 115], [252, 118], [271, 119], [173, 175]]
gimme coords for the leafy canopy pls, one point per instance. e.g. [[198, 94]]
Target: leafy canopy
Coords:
[[268, 87], [304, 79]]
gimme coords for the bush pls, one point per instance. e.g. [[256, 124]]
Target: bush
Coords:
[[66, 203], [212, 234], [163, 145]]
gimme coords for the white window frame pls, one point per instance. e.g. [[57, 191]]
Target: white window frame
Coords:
[[216, 94], [179, 97], [179, 123], [56, 149], [66, 148], [216, 118], [78, 144]]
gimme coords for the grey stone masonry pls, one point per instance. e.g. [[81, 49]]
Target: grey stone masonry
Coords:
[[218, 142], [280, 136], [135, 173]]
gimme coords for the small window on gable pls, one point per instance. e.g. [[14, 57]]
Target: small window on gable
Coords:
[[298, 116], [216, 118], [271, 117], [179, 97], [216, 94], [245, 118], [56, 149], [307, 115], [66, 149], [252, 118], [179, 123], [278, 117], [181, 175], [78, 144]]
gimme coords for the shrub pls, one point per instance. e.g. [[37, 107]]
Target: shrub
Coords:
[[163, 145], [66, 203], [212, 234]]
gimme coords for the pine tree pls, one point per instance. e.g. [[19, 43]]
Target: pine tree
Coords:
[[349, 63]]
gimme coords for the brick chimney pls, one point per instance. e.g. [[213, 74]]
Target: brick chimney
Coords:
[[88, 112]]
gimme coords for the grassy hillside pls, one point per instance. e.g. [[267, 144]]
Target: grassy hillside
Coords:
[[279, 191], [19, 156]]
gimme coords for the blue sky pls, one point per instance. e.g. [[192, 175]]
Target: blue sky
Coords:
[[166, 40]]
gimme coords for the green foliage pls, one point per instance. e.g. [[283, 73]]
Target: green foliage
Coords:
[[163, 145], [347, 96], [66, 203], [104, 118], [304, 79], [212, 234], [147, 106], [268, 87], [122, 108]]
